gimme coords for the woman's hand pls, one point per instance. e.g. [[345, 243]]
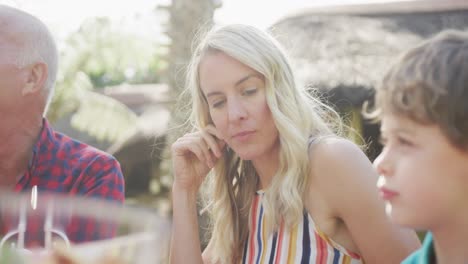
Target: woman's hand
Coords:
[[194, 155]]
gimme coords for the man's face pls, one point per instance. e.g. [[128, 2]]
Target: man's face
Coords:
[[12, 77]]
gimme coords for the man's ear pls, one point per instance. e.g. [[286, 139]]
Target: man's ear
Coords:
[[36, 78]]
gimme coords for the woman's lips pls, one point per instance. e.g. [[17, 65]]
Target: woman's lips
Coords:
[[243, 136]]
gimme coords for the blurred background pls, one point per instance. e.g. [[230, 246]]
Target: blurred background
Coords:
[[122, 65]]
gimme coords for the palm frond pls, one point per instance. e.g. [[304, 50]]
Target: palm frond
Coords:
[[103, 117]]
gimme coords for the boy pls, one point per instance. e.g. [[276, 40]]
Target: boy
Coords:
[[423, 106]]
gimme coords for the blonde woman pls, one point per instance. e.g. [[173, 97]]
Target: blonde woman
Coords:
[[283, 188]]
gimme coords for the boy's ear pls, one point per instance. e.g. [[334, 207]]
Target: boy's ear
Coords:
[[36, 78]]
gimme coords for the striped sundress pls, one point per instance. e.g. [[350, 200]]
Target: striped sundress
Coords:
[[303, 244]]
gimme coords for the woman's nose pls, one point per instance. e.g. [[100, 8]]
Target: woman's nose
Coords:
[[236, 110]]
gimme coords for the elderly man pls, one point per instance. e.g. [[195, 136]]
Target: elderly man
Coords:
[[32, 154]]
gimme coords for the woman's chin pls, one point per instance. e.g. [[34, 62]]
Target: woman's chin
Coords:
[[245, 156]]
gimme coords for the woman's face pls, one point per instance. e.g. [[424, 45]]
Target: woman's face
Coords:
[[235, 94]]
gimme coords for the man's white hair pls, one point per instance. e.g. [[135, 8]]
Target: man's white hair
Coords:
[[35, 44]]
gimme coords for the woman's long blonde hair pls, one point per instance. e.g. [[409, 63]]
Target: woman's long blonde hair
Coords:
[[298, 116]]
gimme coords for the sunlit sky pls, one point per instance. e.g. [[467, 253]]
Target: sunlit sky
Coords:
[[65, 16]]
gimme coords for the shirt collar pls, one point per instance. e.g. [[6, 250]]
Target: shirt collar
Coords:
[[44, 136], [428, 252]]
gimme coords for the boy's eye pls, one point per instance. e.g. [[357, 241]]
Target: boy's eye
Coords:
[[403, 141], [396, 141]]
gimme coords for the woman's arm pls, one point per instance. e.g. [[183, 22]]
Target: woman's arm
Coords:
[[185, 243], [348, 181], [193, 155]]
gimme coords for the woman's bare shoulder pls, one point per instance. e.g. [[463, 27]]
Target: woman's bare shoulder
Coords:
[[331, 153], [336, 164]]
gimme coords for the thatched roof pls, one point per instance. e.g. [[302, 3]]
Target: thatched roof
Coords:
[[345, 50]]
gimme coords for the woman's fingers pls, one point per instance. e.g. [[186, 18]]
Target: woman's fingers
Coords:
[[213, 131], [212, 144], [214, 140], [206, 145], [203, 146], [188, 146], [194, 143]]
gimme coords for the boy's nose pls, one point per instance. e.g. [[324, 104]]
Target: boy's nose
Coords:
[[382, 164]]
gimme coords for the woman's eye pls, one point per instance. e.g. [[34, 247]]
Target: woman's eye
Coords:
[[217, 104], [249, 91]]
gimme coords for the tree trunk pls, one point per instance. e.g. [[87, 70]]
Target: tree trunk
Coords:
[[186, 19]]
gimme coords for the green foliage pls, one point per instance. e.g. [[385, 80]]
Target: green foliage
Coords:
[[110, 56], [99, 54], [69, 93], [100, 116], [104, 118]]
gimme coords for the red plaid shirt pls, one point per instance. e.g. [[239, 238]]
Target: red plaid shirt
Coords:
[[63, 165]]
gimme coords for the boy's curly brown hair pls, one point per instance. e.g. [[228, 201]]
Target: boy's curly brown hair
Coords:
[[429, 85]]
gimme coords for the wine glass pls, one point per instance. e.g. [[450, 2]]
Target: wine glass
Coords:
[[32, 224]]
